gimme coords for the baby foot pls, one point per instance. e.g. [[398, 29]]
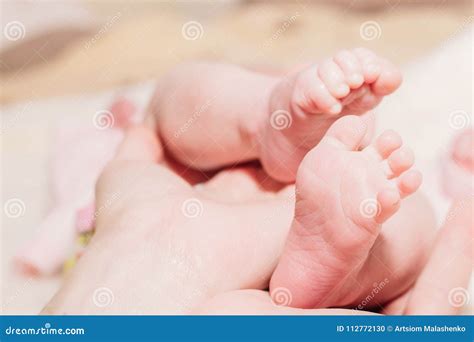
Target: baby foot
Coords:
[[304, 105], [458, 166], [343, 197], [463, 150]]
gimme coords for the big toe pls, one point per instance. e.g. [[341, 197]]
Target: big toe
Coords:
[[346, 133], [388, 81]]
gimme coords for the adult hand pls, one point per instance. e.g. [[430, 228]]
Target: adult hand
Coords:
[[165, 247], [440, 289]]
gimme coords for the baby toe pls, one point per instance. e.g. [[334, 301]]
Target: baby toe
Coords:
[[400, 161], [389, 79], [409, 182], [312, 95], [351, 67], [389, 203], [346, 133], [334, 79], [387, 142], [384, 145], [370, 63]]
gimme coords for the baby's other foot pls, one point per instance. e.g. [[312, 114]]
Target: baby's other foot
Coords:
[[305, 104], [462, 150], [458, 166], [343, 195]]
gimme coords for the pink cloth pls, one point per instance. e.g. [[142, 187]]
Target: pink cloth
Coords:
[[79, 156]]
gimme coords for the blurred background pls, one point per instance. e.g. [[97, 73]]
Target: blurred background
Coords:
[[62, 47], [70, 58]]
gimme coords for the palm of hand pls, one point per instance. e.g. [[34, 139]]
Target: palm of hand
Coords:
[[159, 257]]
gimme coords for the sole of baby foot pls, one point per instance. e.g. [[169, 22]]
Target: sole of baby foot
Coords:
[[304, 105], [343, 196]]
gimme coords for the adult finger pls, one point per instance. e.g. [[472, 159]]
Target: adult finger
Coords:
[[255, 302], [139, 144], [441, 288], [135, 159]]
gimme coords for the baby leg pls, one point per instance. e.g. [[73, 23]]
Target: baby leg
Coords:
[[208, 114], [213, 115]]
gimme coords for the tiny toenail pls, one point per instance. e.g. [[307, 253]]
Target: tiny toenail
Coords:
[[343, 89], [356, 79], [336, 109]]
